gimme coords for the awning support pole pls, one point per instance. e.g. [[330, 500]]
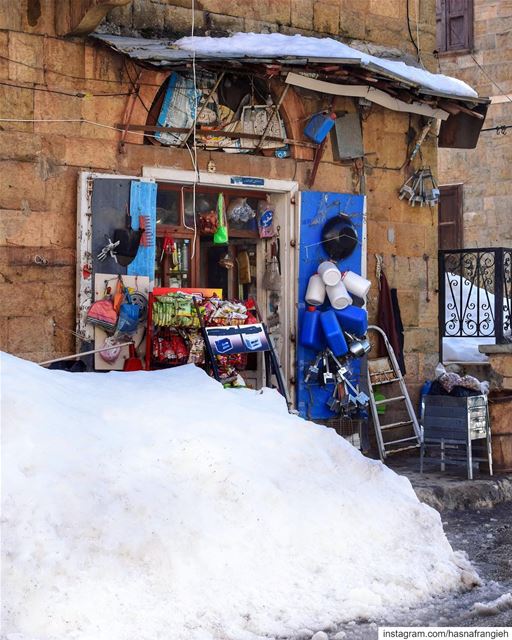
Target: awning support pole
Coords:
[[276, 109]]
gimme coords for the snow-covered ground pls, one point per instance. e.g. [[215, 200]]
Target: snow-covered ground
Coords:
[[156, 505]]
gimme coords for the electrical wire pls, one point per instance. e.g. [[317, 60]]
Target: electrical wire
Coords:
[[76, 121], [410, 32], [194, 138], [76, 94], [69, 75], [489, 78]]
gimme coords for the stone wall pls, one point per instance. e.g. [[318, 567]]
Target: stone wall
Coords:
[[486, 171], [40, 161]]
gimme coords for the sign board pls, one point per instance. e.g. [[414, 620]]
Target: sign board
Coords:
[[244, 339]]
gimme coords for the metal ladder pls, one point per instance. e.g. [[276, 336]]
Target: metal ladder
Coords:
[[384, 371]]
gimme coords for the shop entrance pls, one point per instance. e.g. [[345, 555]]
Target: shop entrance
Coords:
[[186, 254]]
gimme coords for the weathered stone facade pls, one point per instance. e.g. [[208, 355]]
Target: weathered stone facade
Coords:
[[40, 161], [485, 172]]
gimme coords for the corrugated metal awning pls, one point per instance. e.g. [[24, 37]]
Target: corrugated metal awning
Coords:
[[297, 51]]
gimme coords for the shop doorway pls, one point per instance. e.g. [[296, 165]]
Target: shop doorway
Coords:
[[237, 268]]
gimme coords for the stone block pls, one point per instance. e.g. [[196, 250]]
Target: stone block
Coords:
[[21, 182], [4, 51], [27, 299], [51, 106], [28, 50], [61, 191], [259, 26], [388, 8], [420, 340], [20, 227], [409, 301], [103, 111], [378, 238], [222, 24], [410, 240], [27, 335], [17, 103], [326, 17], [501, 363], [412, 364], [42, 21], [389, 31], [4, 337], [16, 145], [147, 16], [178, 20], [92, 153], [277, 11], [302, 14], [66, 58], [11, 16], [108, 70]]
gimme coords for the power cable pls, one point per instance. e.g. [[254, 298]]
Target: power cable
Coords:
[[76, 94], [490, 79], [69, 75], [410, 32]]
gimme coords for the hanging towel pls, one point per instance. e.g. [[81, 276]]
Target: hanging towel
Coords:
[[390, 321], [399, 328], [143, 207]]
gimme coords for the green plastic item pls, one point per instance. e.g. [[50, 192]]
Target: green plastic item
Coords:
[[381, 408], [221, 235]]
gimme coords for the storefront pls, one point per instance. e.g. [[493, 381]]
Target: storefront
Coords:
[[254, 104], [186, 255]]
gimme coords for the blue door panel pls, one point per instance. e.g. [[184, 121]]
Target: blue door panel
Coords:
[[316, 209]]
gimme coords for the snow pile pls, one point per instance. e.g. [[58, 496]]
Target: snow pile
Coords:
[[159, 505], [503, 603], [278, 45]]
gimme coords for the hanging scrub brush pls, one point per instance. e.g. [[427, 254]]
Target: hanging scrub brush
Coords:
[[272, 277]]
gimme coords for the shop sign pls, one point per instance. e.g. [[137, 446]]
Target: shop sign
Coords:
[[244, 339]]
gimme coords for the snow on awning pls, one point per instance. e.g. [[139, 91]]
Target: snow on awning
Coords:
[[289, 50]]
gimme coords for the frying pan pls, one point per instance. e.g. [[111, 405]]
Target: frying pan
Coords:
[[339, 237]]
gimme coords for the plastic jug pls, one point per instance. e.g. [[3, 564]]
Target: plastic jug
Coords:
[[353, 319], [319, 126], [333, 333], [311, 335], [315, 293]]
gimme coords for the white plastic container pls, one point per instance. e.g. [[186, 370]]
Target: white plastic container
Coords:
[[355, 284], [329, 272], [339, 296], [315, 293]]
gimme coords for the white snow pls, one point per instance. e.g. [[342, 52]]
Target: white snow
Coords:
[[463, 303], [493, 608], [159, 505], [280, 45]]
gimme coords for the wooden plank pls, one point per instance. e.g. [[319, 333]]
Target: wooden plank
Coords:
[[235, 135]]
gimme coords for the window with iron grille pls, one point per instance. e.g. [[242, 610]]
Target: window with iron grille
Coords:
[[454, 21]]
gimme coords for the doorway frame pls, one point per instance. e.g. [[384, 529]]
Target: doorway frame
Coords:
[[287, 197]]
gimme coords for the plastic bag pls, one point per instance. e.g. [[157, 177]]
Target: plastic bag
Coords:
[[113, 353], [240, 212], [129, 314], [221, 235], [128, 320]]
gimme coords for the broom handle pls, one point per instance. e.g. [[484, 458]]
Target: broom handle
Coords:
[[86, 353]]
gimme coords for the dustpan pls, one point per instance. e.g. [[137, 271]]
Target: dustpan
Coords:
[[133, 362]]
